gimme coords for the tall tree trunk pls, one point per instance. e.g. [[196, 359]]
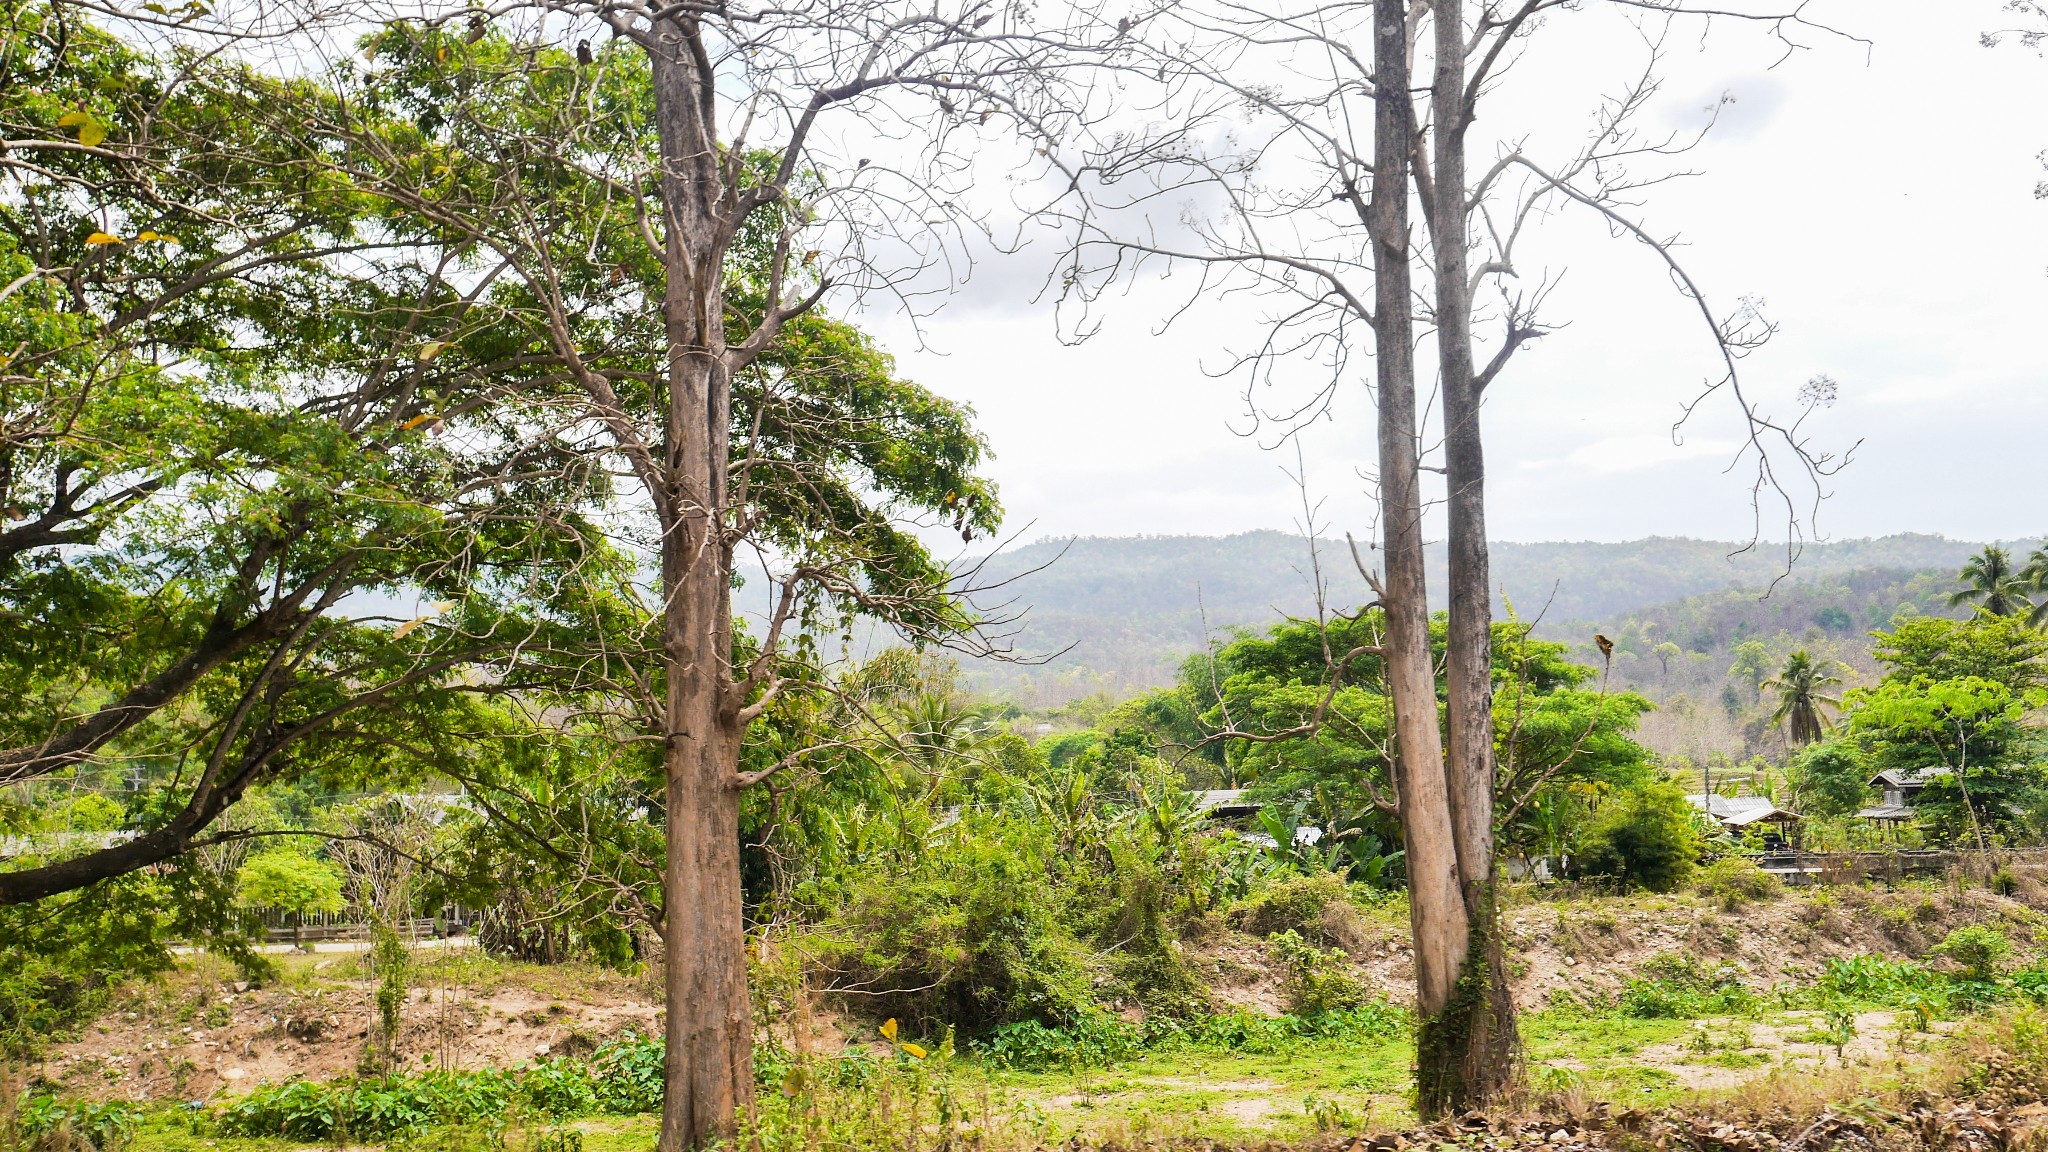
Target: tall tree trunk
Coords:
[[1472, 1051], [709, 1074], [1436, 903]]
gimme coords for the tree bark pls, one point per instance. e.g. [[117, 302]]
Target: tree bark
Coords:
[[1468, 1053], [1436, 904], [709, 1031]]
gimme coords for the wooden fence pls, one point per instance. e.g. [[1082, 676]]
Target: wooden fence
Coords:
[[1891, 867], [277, 926]]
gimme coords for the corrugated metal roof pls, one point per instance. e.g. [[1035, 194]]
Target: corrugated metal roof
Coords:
[[1740, 811], [1907, 779]]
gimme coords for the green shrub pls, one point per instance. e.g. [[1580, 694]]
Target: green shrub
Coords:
[[1735, 883], [1646, 839], [1316, 980], [1978, 948], [972, 930], [1294, 904]]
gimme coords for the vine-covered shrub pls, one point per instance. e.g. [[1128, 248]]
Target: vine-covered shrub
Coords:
[[1316, 980]]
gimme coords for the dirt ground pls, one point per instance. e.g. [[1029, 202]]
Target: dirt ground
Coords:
[[201, 1031]]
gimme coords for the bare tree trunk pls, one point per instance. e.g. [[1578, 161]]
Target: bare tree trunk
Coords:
[[1436, 905], [1468, 1052], [709, 1073]]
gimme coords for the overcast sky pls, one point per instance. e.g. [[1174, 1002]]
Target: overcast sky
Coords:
[[1880, 201]]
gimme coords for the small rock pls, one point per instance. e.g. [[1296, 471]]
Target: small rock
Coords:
[[1559, 1136], [233, 1074]]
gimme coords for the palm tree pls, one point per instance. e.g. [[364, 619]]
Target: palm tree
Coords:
[[2036, 576], [1990, 582], [1800, 697]]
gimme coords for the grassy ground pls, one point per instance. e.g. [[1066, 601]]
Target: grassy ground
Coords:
[[1235, 1098]]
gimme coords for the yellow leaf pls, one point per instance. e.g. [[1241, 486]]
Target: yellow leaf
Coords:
[[104, 238], [889, 1028], [146, 235], [443, 605], [90, 130], [422, 418], [431, 349], [912, 1050], [405, 629]]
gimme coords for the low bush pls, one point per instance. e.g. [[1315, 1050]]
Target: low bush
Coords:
[[1874, 980], [1978, 948], [1316, 980], [1735, 884], [1295, 904]]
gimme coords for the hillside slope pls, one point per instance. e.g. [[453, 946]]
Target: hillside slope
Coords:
[[1118, 614]]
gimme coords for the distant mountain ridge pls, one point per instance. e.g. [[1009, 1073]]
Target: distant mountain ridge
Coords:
[[1125, 610]]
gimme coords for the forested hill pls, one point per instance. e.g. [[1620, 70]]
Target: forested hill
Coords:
[[1127, 609]]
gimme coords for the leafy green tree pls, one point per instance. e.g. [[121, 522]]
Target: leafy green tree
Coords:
[[293, 883], [1646, 838], [225, 419], [2000, 648], [662, 290], [1971, 726], [1552, 733], [1992, 583], [1751, 663], [1665, 653], [1802, 698], [1831, 778]]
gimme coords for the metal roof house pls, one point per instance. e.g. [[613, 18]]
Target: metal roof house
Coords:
[[1226, 803], [1899, 786], [1736, 812]]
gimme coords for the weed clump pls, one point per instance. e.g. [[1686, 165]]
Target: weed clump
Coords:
[[1735, 884], [1679, 986], [1316, 980]]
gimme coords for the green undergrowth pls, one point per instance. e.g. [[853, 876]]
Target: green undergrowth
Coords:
[[621, 1078], [1101, 1040]]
